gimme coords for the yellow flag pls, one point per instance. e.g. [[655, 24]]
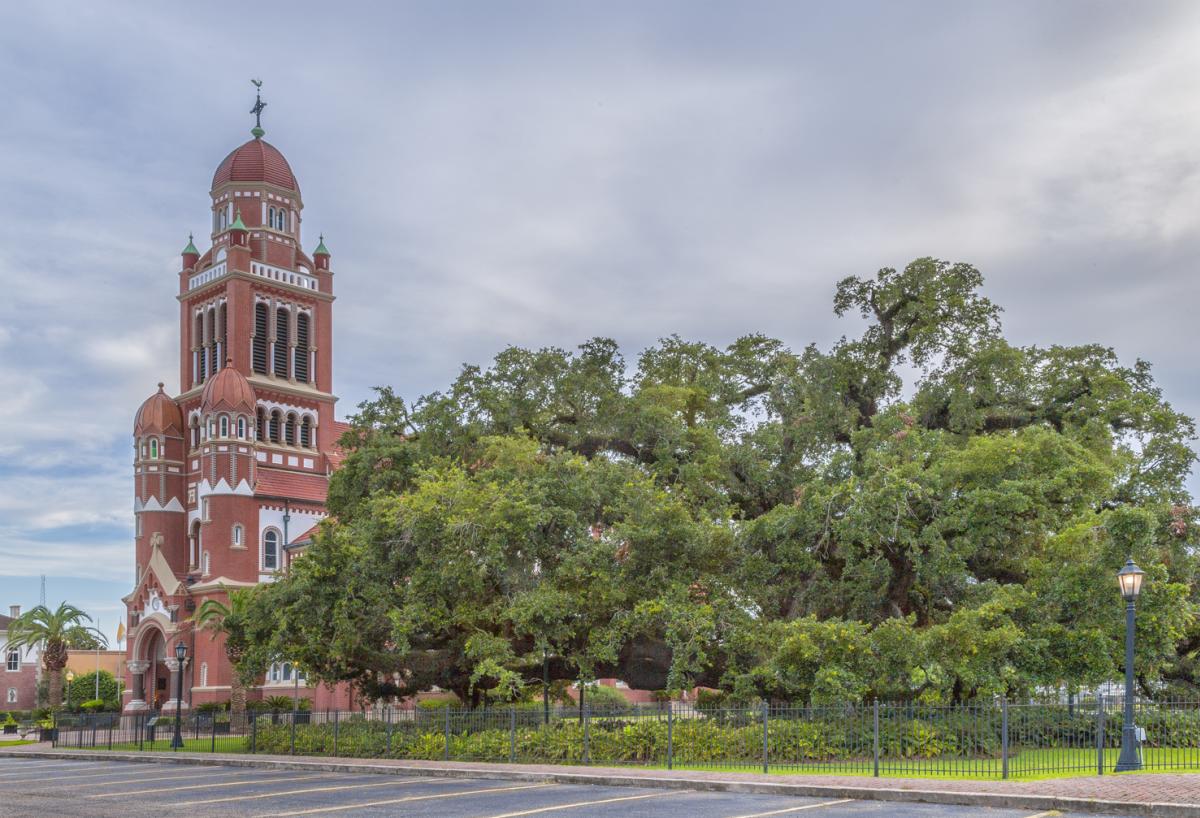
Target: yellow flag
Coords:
[[120, 632]]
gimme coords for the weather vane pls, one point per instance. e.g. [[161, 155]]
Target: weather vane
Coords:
[[257, 109]]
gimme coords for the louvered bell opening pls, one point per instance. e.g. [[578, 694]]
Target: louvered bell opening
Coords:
[[302, 347], [260, 343], [281, 343]]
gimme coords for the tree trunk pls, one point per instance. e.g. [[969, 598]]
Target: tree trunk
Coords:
[[237, 701], [54, 686]]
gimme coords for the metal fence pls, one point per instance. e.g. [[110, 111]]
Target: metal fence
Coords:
[[986, 740]]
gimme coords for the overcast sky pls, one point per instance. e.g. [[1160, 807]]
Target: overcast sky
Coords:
[[496, 173]]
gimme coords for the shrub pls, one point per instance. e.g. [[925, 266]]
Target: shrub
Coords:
[[92, 705], [601, 698]]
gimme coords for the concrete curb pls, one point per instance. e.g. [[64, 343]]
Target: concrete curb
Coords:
[[566, 775]]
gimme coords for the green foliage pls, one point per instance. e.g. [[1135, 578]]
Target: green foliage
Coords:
[[801, 526], [84, 685], [602, 698], [94, 705]]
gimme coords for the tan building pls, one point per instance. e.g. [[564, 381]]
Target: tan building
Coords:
[[85, 661]]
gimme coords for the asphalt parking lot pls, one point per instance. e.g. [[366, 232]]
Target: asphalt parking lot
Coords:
[[51, 787]]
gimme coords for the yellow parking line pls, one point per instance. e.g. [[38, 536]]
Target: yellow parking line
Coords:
[[786, 810], [207, 786], [403, 800], [1050, 814], [586, 804], [398, 783]]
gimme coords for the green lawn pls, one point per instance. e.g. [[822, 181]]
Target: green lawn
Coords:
[[16, 742], [1028, 765]]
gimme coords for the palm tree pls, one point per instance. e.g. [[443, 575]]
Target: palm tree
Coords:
[[57, 632], [229, 621]]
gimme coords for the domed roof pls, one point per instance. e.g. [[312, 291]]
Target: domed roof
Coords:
[[256, 161], [159, 414], [229, 391]]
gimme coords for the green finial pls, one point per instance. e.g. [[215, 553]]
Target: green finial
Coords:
[[321, 251], [191, 248], [257, 110], [238, 224]]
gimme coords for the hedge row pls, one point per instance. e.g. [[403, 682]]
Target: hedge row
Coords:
[[720, 737], [621, 740]]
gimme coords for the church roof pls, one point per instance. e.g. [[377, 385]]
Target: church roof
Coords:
[[256, 161], [157, 415], [228, 390], [310, 488]]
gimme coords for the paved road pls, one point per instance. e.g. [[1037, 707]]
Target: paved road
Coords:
[[101, 789]]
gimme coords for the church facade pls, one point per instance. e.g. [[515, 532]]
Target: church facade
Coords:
[[231, 472]]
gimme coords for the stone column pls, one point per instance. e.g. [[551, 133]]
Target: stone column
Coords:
[[137, 677], [172, 704]]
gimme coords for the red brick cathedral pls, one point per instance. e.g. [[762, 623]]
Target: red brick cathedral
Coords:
[[230, 475]]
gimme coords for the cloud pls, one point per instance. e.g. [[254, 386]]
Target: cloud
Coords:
[[539, 173]]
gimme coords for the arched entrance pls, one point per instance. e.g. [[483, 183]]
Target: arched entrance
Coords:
[[157, 674]]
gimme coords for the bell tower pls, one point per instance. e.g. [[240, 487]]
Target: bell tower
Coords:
[[233, 469]]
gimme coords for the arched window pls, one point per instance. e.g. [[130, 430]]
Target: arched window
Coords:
[[276, 430], [270, 553], [236, 538], [154, 448], [271, 217], [260, 338], [195, 432], [260, 421], [224, 425], [204, 564], [302, 347], [289, 434], [200, 361], [306, 432], [204, 674], [241, 426], [145, 450], [221, 348], [282, 339], [211, 326], [12, 660], [194, 544]]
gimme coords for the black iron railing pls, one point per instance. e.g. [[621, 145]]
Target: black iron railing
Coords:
[[996, 739]]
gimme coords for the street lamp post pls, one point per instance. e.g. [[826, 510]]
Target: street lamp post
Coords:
[[180, 656], [70, 678], [1130, 580]]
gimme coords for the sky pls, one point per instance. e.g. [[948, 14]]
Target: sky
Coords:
[[495, 173]]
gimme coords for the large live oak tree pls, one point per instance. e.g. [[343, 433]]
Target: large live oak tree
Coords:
[[788, 525]]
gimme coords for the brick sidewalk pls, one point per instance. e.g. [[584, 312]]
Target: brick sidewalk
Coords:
[[1131, 794]]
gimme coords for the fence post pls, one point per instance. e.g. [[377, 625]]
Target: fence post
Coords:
[[1100, 734], [766, 715], [875, 734], [213, 746], [335, 733], [447, 752], [110, 728], [389, 729], [587, 749], [512, 735], [141, 729], [670, 734], [1004, 737], [292, 750], [253, 733]]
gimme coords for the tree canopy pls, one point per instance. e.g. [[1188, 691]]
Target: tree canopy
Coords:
[[780, 524]]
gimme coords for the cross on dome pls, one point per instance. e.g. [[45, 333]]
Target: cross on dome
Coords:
[[257, 110]]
